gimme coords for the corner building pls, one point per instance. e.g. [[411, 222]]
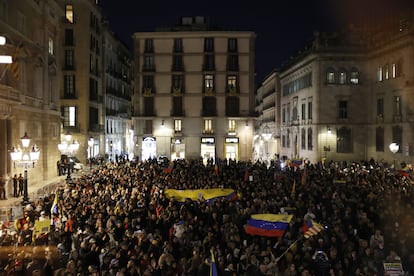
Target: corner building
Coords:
[[194, 92]]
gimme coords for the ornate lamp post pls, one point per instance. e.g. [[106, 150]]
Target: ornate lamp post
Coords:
[[24, 157], [91, 142], [394, 147], [267, 134], [69, 149]]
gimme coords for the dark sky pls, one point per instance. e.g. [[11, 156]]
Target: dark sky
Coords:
[[282, 27]]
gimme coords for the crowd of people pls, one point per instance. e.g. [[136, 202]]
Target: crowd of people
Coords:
[[117, 220]]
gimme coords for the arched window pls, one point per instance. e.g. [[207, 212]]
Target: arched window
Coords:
[[344, 140], [303, 139], [310, 145], [330, 75], [342, 76], [354, 77], [379, 139]]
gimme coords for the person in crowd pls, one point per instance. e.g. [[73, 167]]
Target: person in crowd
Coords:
[[120, 221]]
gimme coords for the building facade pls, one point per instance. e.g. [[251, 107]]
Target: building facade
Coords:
[[194, 92], [81, 93], [118, 90], [267, 126], [347, 96], [29, 87]]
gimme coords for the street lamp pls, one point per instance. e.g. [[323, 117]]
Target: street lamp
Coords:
[[25, 157], [90, 145], [394, 147], [69, 149], [267, 134]]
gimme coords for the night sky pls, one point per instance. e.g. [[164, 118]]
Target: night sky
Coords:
[[282, 28]]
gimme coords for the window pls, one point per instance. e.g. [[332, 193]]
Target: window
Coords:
[[209, 44], [288, 112], [69, 59], [178, 45], [283, 114], [342, 109], [303, 110], [148, 63], [209, 64], [148, 81], [231, 125], [310, 109], [393, 70], [379, 139], [177, 125], [209, 106], [177, 82], [310, 137], [330, 76], [69, 116], [208, 126], [209, 82], [342, 76], [303, 139], [288, 139], [354, 78], [233, 63], [177, 106], [232, 106], [149, 46], [232, 83], [283, 141], [386, 73], [379, 73], [344, 140], [380, 107], [295, 109], [69, 85], [69, 37], [178, 63], [397, 106], [149, 106], [51, 48], [69, 13], [232, 45]]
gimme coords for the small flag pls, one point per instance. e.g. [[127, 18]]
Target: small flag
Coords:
[[296, 162], [169, 169], [268, 225], [311, 228], [213, 266], [14, 66], [54, 208]]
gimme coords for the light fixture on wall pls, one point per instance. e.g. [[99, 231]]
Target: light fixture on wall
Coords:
[[162, 123], [329, 130]]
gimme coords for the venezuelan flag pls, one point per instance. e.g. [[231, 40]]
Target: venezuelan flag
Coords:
[[268, 225], [200, 194]]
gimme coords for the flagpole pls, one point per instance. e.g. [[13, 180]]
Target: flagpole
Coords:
[[286, 251]]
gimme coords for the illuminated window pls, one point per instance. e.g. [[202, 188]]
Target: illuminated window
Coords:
[[177, 125], [330, 76], [69, 116], [231, 83], [386, 73], [379, 73], [232, 125], [51, 48], [209, 81], [342, 77], [69, 13], [393, 70], [208, 125], [354, 77]]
